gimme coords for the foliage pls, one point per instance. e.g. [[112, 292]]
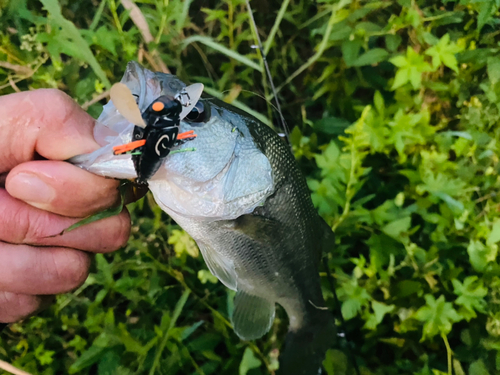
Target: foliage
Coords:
[[395, 111]]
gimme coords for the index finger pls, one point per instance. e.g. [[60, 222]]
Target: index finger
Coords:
[[46, 122]]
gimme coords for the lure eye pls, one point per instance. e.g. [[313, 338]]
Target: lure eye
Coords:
[[197, 114]]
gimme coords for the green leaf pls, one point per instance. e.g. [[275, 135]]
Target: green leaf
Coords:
[[399, 61], [486, 10], [103, 37], [331, 125], [190, 330], [336, 362], [350, 51], [378, 100], [354, 297], [494, 236], [444, 53], [481, 255], [430, 39], [206, 276], [166, 335], [379, 311], [105, 271], [400, 79], [329, 158], [183, 243], [373, 56], [209, 42], [45, 357], [443, 187], [78, 343], [248, 362], [438, 316], [458, 367], [71, 36], [109, 212], [415, 77], [455, 205], [406, 288], [109, 364], [493, 67], [478, 368], [392, 42], [88, 358], [470, 296], [411, 67], [397, 228]]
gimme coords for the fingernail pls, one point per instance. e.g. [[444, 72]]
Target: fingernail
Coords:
[[29, 188]]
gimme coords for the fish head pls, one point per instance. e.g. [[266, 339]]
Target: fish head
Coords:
[[113, 129], [220, 175]]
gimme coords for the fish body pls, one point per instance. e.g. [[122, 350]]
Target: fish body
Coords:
[[243, 199]]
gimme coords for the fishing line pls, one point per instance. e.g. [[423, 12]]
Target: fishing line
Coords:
[[268, 71], [260, 96], [285, 129], [331, 281], [257, 95]]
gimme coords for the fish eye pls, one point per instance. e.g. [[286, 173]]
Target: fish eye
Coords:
[[198, 113]]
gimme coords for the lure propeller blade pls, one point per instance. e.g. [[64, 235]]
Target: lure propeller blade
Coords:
[[194, 91], [125, 103]]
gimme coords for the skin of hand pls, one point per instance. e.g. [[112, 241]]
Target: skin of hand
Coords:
[[41, 195]]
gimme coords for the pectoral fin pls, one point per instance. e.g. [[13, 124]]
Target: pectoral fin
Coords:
[[220, 267], [259, 228], [252, 316]]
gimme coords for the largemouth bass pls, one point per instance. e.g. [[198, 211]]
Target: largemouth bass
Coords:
[[243, 199]]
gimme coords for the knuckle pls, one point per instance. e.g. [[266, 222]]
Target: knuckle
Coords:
[[104, 193], [18, 218], [70, 268], [66, 107], [117, 234], [36, 226], [123, 230], [54, 96], [24, 224], [14, 307]]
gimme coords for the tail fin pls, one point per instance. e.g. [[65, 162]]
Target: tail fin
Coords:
[[305, 348]]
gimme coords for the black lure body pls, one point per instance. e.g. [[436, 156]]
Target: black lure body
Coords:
[[162, 127]]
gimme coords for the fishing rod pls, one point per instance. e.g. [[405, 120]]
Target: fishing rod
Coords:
[[331, 280], [269, 75]]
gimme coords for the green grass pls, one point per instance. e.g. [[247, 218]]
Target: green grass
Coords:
[[394, 107]]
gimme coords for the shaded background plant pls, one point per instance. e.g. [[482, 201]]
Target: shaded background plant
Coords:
[[394, 107]]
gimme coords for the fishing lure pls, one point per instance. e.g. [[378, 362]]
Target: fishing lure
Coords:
[[156, 131]]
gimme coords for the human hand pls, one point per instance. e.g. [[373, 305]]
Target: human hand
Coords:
[[40, 198]]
